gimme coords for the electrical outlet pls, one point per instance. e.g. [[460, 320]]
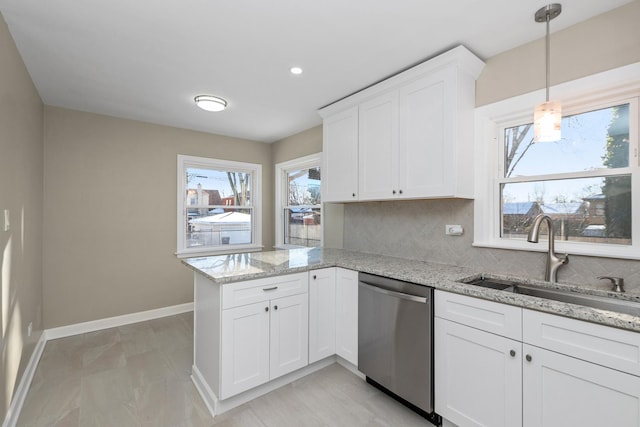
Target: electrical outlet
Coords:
[[453, 230], [7, 226], [29, 329]]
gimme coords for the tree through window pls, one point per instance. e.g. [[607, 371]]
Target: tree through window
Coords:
[[582, 181]]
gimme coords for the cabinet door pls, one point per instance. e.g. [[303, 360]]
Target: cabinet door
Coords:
[[426, 162], [340, 157], [289, 334], [378, 148], [245, 348], [322, 314], [478, 376], [563, 391], [347, 315]]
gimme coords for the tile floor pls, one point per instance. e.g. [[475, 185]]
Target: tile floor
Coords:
[[139, 375]]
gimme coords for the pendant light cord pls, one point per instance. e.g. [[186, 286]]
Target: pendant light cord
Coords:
[[548, 49]]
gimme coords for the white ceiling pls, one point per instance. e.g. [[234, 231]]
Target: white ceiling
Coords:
[[147, 59]]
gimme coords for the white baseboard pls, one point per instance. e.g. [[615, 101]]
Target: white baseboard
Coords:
[[20, 395], [350, 367], [217, 407], [13, 412], [113, 322], [208, 396]]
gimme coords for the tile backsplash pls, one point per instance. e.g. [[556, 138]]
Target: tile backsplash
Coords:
[[415, 229]]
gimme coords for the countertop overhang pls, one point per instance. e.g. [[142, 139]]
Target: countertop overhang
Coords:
[[255, 265]]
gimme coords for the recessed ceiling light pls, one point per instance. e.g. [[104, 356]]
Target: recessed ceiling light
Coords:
[[296, 70], [210, 103]]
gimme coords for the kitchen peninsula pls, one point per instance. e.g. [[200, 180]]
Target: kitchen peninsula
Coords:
[[265, 319]]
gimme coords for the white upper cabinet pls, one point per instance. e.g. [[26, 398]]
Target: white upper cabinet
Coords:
[[340, 157], [378, 148], [413, 134]]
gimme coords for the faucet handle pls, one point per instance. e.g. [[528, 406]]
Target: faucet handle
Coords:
[[617, 282]]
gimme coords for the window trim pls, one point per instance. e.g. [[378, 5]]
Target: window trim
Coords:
[[607, 88], [312, 160], [184, 162]]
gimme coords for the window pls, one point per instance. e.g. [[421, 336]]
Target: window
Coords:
[[569, 179], [298, 203], [218, 206], [583, 182]]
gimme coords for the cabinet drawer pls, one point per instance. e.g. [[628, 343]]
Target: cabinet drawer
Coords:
[[606, 346], [251, 291], [489, 316]]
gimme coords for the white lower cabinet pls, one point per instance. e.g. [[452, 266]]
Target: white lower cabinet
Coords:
[[263, 341], [289, 335], [322, 314], [486, 379], [248, 333], [245, 344], [562, 391], [347, 315], [478, 376]]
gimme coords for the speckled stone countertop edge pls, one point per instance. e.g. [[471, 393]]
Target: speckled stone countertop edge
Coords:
[[439, 276]]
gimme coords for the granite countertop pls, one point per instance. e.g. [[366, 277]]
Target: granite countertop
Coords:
[[245, 266]]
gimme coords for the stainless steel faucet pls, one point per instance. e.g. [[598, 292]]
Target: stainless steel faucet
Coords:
[[554, 262]]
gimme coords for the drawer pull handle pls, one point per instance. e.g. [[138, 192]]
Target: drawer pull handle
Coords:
[[273, 288], [512, 353], [528, 357]]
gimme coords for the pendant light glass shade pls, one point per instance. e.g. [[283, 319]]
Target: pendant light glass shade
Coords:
[[547, 120], [547, 117]]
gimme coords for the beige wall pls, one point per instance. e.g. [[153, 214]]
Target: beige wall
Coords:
[[110, 203], [602, 43], [21, 113], [298, 145]]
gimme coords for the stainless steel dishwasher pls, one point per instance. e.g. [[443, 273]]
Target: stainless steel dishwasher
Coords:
[[395, 340]]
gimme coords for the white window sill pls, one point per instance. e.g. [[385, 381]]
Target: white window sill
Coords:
[[563, 247], [213, 252], [287, 247]]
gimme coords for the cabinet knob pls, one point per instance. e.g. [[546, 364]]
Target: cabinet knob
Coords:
[[266, 309], [394, 191], [275, 307], [512, 353], [315, 277], [353, 194], [528, 357], [400, 191]]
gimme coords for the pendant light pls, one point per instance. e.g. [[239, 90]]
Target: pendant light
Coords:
[[547, 117]]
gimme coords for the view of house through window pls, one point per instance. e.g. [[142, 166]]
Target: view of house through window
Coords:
[[218, 206], [300, 205], [302, 214], [583, 181]]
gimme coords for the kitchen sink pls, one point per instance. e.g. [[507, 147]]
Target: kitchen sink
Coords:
[[594, 301]]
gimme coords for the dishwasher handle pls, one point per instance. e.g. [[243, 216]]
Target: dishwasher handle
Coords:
[[401, 295]]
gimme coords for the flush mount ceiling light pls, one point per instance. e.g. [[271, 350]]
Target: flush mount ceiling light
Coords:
[[296, 70], [547, 117], [210, 103]]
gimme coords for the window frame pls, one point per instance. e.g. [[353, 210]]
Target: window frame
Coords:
[[281, 169], [613, 87], [185, 162]]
